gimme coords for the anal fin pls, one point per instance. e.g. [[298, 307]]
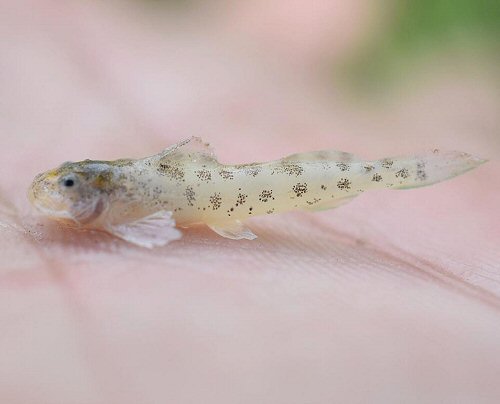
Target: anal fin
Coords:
[[234, 230]]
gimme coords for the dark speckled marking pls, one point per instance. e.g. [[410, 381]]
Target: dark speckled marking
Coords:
[[387, 163], [226, 174], [344, 183], [171, 170], [343, 166], [190, 195], [421, 174], [251, 169], [287, 168], [403, 173], [377, 177], [323, 187], [204, 175], [266, 195], [215, 201], [241, 199], [293, 169], [300, 189]]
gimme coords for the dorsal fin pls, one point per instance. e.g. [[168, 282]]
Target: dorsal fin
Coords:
[[323, 155], [193, 149]]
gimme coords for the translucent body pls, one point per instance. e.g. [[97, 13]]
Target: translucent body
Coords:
[[141, 200]]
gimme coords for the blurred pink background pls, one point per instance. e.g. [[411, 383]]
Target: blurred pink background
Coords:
[[392, 298]]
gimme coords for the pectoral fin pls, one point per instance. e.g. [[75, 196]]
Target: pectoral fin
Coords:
[[234, 230], [151, 231]]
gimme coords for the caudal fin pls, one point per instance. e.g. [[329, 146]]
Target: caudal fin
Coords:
[[425, 169]]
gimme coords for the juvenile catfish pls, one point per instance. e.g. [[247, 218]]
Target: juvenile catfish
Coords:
[[142, 201]]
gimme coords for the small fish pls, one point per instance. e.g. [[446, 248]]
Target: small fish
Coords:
[[142, 201]]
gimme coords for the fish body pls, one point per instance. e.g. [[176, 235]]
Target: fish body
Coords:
[[142, 201]]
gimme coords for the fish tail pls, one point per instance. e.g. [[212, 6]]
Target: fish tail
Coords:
[[424, 169]]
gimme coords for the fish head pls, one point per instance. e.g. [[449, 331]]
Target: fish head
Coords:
[[74, 192]]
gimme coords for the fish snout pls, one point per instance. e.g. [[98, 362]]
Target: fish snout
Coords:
[[44, 196], [36, 188]]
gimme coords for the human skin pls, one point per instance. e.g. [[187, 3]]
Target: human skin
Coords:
[[392, 298]]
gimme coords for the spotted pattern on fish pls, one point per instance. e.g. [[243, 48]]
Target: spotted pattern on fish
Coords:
[[141, 200]]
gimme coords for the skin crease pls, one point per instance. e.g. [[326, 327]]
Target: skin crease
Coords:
[[391, 298]]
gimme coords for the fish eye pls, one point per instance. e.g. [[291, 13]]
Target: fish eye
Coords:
[[69, 182]]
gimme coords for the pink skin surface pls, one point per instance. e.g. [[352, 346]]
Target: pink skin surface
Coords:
[[394, 297]]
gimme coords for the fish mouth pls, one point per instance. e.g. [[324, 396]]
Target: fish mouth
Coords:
[[47, 208], [79, 217], [60, 215]]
